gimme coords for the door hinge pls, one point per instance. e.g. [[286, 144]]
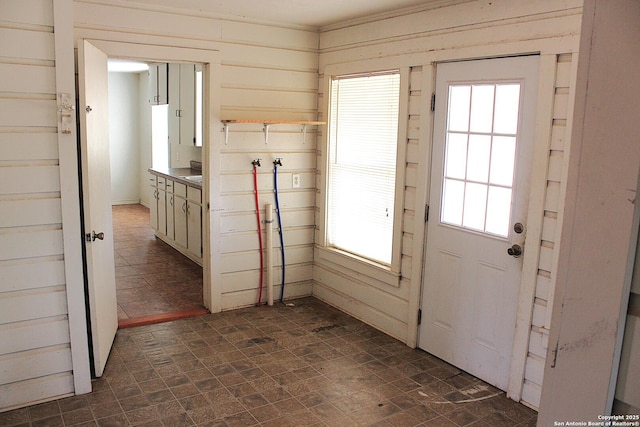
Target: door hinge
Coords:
[[419, 316], [433, 101], [426, 213]]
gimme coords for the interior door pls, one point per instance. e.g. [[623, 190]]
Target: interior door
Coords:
[[96, 190], [481, 167]]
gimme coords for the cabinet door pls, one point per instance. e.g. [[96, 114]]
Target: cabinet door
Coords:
[[162, 212], [174, 103], [194, 228], [170, 216], [180, 220], [153, 203], [187, 104], [158, 84], [182, 104], [170, 202]]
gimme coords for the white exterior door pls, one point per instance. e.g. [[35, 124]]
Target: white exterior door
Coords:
[[481, 167], [96, 190]]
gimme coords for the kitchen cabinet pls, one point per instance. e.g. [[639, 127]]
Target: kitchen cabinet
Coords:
[[176, 215], [182, 104], [158, 84]]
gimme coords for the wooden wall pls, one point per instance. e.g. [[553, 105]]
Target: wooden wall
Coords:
[[267, 72], [600, 228], [36, 252], [476, 29], [564, 86]]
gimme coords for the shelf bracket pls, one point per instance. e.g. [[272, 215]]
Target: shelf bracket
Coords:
[[226, 133], [304, 133], [266, 133]]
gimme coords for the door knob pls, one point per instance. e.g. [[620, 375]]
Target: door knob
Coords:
[[515, 251], [99, 236]]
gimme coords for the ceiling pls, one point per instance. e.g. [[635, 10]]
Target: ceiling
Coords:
[[305, 13]]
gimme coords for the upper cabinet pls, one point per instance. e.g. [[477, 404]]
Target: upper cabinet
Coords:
[[182, 104], [158, 84], [180, 87], [185, 104]]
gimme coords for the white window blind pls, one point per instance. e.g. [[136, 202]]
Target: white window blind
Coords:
[[362, 164]]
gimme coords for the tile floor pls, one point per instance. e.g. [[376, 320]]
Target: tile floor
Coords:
[[153, 281], [302, 365]]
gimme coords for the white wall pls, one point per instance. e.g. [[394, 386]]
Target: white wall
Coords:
[[600, 224], [144, 137], [475, 29], [124, 137]]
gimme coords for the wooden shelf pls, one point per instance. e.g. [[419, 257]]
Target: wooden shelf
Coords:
[[275, 122], [267, 123]]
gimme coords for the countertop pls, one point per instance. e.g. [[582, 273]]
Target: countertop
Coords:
[[178, 174]]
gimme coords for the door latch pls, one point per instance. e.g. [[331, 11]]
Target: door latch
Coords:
[[91, 237]]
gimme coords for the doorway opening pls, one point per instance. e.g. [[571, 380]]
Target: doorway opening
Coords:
[[96, 186], [155, 282]]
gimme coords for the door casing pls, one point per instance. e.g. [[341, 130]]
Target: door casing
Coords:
[[544, 121]]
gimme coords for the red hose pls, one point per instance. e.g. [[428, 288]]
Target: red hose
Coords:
[[255, 186]]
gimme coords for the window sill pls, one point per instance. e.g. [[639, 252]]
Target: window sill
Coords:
[[359, 265]]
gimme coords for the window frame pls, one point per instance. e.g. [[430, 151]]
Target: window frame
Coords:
[[385, 273]]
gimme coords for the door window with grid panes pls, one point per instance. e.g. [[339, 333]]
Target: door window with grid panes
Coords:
[[481, 141]]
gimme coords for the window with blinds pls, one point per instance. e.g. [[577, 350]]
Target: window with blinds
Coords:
[[363, 138]]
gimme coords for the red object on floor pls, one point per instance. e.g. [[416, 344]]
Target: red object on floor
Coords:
[[159, 318]]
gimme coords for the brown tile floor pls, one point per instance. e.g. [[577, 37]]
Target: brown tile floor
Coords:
[[305, 365], [153, 280]]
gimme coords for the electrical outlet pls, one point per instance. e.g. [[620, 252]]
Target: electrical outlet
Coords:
[[295, 180], [178, 156]]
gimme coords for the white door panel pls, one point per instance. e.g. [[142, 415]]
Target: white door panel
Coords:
[[482, 151], [96, 190]]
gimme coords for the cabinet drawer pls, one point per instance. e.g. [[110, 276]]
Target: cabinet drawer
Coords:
[[153, 180], [194, 194], [170, 185], [180, 189]]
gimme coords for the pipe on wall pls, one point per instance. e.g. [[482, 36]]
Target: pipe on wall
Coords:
[[268, 220]]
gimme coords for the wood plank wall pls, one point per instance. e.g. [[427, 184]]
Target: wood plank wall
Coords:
[[468, 30], [550, 239], [35, 351], [267, 73]]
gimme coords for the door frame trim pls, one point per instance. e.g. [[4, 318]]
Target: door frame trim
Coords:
[[535, 219], [70, 201], [210, 164], [535, 210]]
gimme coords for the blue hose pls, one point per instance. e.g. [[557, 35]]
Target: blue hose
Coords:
[[276, 163]]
